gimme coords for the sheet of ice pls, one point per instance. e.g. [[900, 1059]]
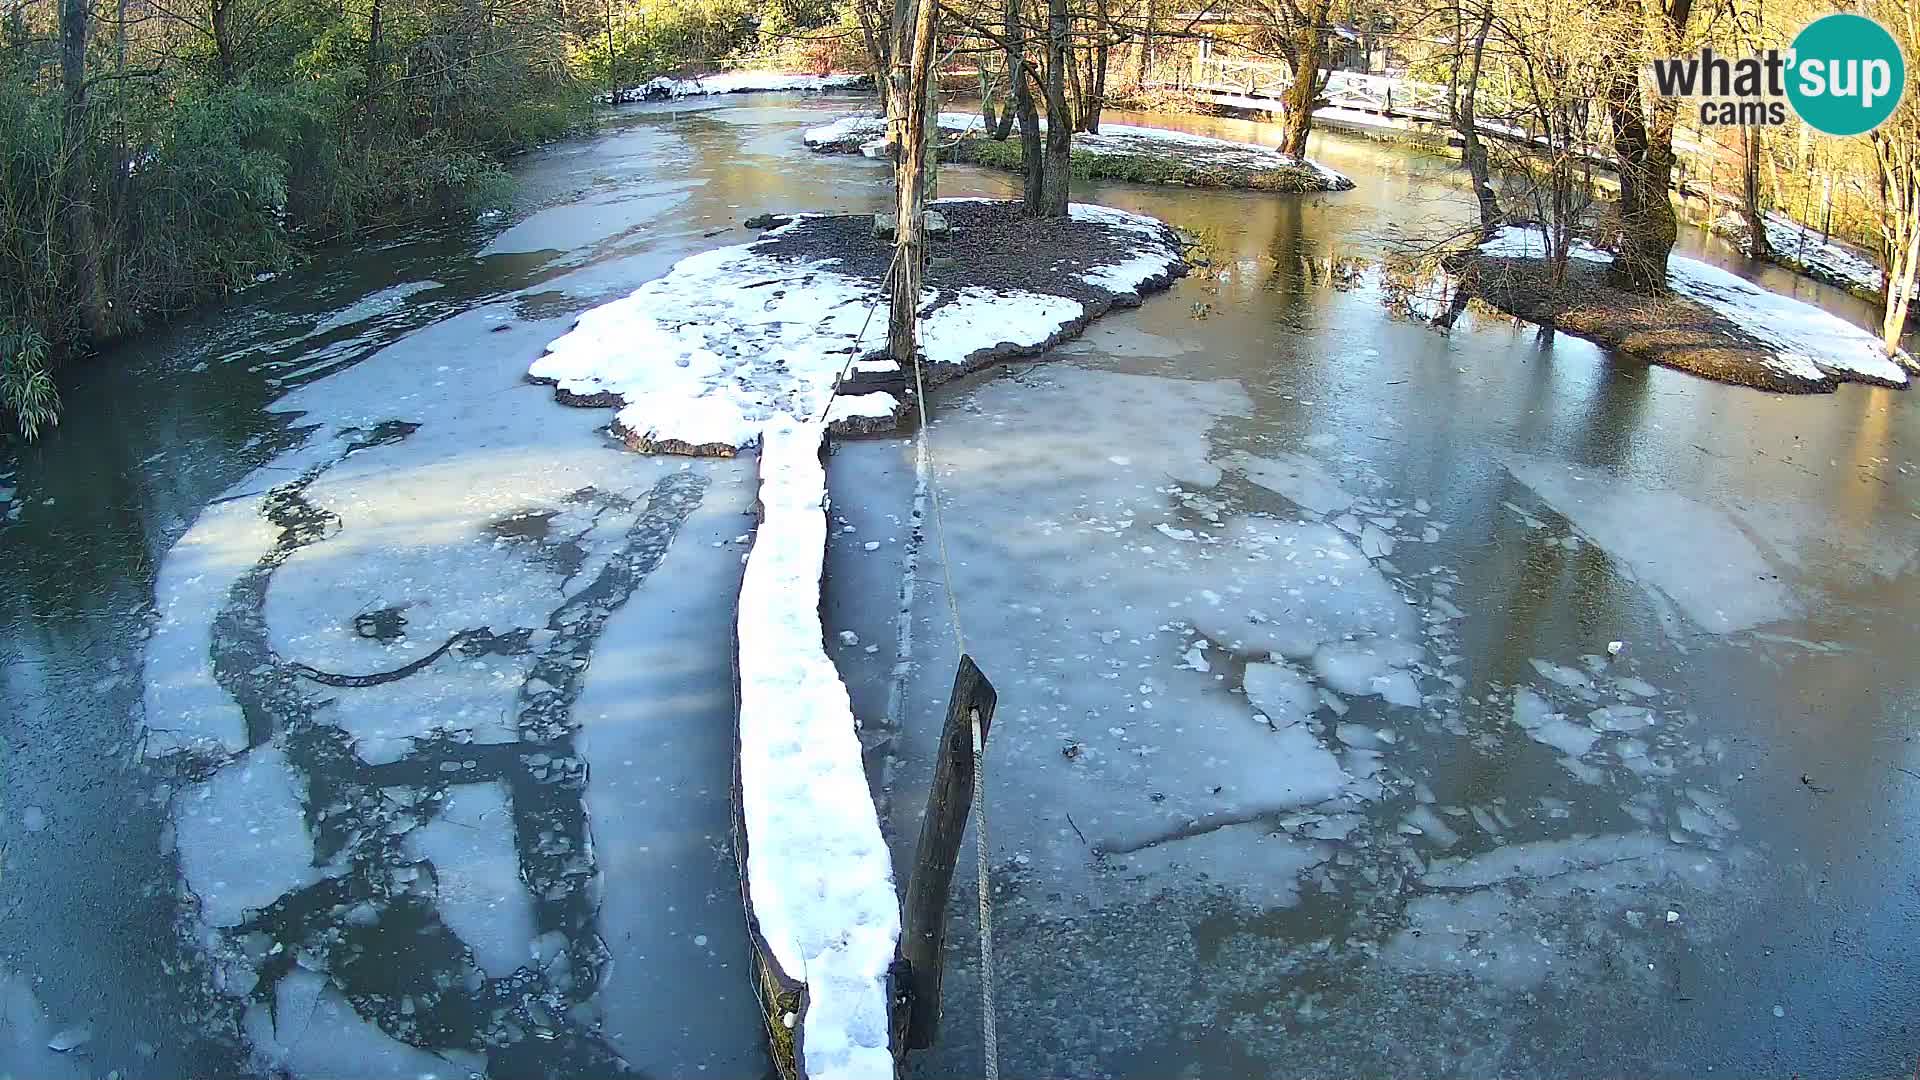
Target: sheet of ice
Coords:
[[242, 836], [1692, 552], [657, 737], [1812, 343], [313, 1031], [729, 339], [1370, 667], [1515, 915], [373, 305], [818, 873], [480, 893], [1300, 479], [1264, 866], [1532, 712], [185, 707], [1087, 608], [26, 1035], [1280, 693]]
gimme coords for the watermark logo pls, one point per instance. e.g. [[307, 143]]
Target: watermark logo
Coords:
[[1844, 75], [1849, 75]]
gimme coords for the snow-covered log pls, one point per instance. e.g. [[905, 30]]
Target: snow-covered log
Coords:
[[815, 873]]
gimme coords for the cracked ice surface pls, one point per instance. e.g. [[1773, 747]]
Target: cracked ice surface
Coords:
[[1091, 618], [397, 616]]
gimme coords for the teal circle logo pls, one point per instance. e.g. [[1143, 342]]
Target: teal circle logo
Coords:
[[1846, 75]]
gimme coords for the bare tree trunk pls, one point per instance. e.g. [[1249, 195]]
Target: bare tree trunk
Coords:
[[1096, 84], [1899, 227], [223, 40], [913, 56], [1016, 58], [1643, 156], [1752, 151], [991, 107], [613, 78], [1473, 152], [1033, 160], [1057, 177], [1306, 53], [1144, 56], [1076, 97]]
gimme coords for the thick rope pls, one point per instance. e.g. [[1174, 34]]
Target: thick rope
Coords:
[[989, 1024]]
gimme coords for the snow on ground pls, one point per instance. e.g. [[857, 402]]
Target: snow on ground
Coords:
[[738, 82], [1812, 344], [856, 130], [723, 343], [867, 133], [818, 874], [1201, 149], [1818, 257], [702, 358]]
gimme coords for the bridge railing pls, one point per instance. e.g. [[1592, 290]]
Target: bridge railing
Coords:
[[1385, 94]]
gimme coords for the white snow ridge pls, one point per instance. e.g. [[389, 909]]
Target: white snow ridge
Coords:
[[819, 877]]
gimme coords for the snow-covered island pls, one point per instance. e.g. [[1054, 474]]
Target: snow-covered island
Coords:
[[1118, 152], [1711, 322], [700, 360]]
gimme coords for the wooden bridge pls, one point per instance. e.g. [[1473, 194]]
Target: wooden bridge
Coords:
[[1261, 84]]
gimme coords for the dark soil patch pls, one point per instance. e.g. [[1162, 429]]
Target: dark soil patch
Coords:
[[1669, 330], [990, 245]]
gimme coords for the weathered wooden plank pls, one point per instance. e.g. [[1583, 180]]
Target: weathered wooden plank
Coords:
[[949, 803]]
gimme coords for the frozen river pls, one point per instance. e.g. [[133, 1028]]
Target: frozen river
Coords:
[[1371, 700]]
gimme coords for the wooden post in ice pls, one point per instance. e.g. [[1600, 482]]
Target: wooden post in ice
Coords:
[[923, 920]]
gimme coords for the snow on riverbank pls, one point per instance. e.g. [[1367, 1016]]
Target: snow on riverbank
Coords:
[[666, 88], [1810, 345], [1802, 248], [701, 359], [819, 878], [866, 134]]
